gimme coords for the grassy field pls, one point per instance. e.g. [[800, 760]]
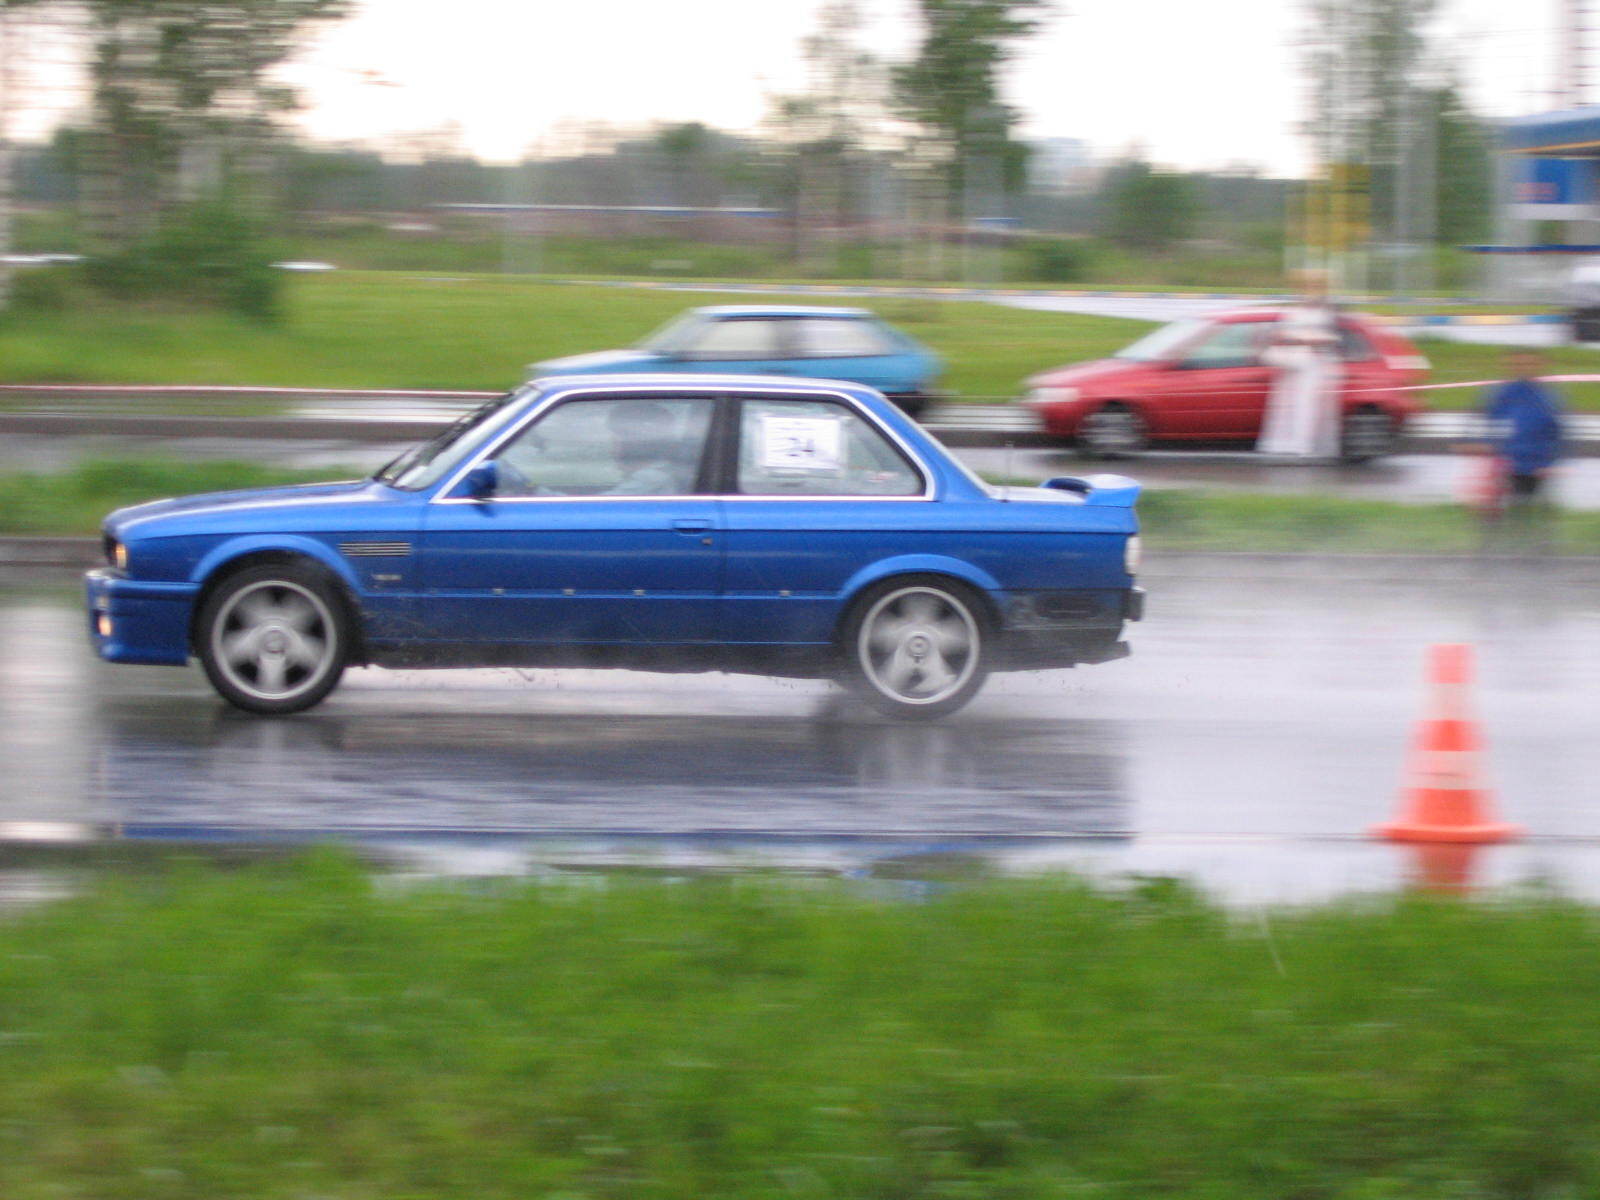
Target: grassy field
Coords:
[[480, 332], [75, 501], [283, 1032], [395, 330]]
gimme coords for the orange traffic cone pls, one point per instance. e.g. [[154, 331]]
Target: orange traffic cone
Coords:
[[1444, 801], [1443, 868]]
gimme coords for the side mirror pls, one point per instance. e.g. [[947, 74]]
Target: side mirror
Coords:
[[482, 481]]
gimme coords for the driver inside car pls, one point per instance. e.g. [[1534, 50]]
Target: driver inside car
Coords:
[[637, 449]]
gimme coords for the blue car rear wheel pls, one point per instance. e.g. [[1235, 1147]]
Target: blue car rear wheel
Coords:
[[917, 646]]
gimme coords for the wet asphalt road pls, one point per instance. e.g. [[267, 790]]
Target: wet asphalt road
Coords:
[[1255, 733]]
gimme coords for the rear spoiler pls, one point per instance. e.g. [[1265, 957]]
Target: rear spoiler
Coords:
[[1113, 491]]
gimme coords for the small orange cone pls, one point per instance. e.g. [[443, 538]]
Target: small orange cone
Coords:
[[1444, 801], [1443, 868]]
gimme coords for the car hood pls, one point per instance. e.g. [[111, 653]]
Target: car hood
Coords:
[[599, 361], [163, 516], [1079, 374]]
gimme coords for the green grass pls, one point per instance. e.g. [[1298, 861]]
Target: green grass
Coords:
[[1180, 519], [75, 501], [479, 332], [296, 1031], [395, 330]]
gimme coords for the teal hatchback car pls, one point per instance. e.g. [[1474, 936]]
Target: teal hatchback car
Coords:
[[849, 344]]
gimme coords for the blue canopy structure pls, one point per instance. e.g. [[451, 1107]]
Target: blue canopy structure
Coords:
[[1567, 133]]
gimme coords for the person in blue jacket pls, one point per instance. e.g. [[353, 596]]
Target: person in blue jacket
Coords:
[[1525, 426]]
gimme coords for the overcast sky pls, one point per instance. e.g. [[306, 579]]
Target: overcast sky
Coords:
[[1194, 83]]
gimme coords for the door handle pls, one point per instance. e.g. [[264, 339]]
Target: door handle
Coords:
[[692, 525]]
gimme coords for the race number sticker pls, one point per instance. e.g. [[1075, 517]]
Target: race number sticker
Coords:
[[801, 443]]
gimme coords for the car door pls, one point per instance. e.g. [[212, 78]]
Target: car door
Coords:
[[1365, 377], [817, 493], [1218, 387], [600, 531]]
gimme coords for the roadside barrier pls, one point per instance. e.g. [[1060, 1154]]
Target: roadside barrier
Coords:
[[1444, 799]]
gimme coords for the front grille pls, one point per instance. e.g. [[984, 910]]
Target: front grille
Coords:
[[374, 549]]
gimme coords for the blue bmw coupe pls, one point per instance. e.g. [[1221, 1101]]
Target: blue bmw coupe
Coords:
[[668, 522]]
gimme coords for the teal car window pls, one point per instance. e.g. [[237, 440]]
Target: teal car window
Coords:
[[817, 448], [737, 339], [838, 337], [613, 447]]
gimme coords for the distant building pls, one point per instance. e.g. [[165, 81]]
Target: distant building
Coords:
[[1061, 164]]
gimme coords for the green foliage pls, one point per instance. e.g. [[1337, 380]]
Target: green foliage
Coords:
[[1147, 209], [53, 289], [1179, 519], [951, 87], [1057, 260], [1464, 172], [208, 255], [294, 1030]]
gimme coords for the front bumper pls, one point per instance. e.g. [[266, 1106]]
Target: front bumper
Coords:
[[137, 621]]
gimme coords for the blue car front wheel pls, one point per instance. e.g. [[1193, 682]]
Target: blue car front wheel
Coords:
[[273, 639], [917, 646]]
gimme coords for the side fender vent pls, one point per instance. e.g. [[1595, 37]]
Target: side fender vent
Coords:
[[375, 549]]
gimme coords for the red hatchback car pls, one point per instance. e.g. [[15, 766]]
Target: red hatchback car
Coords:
[[1204, 380]]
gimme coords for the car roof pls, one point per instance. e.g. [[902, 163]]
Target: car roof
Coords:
[[679, 381], [1271, 312], [780, 310]]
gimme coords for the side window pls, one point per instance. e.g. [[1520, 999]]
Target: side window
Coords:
[[817, 448], [1354, 345], [1236, 345], [620, 447], [838, 337], [737, 339]]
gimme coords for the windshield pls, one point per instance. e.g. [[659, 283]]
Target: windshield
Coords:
[[424, 464], [673, 337], [1160, 344]]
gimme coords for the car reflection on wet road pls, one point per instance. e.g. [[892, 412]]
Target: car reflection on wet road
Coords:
[[1258, 727]]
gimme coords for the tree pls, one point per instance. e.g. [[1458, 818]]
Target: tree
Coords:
[[829, 133], [1148, 209], [951, 89], [174, 156], [182, 104], [1367, 63], [1463, 154]]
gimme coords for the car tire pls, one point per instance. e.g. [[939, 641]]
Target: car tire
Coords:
[[916, 646], [1366, 433], [274, 638], [913, 404], [1113, 431]]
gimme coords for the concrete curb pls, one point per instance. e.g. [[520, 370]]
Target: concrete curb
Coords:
[[76, 553]]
